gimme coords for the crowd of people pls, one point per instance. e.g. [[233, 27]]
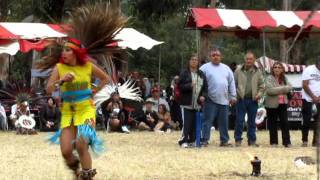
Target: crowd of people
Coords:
[[212, 88], [242, 90]]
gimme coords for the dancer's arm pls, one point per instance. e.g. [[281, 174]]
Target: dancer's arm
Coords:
[[54, 78], [99, 73]]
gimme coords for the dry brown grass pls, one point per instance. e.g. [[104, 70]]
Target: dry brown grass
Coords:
[[145, 155]]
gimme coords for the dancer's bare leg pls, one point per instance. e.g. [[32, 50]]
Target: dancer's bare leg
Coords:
[[66, 145], [83, 151]]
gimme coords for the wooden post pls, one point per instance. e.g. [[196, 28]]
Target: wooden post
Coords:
[[4, 67], [286, 5], [205, 36], [213, 3], [116, 4], [3, 10]]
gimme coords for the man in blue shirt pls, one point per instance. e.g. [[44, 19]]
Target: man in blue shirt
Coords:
[[221, 94]]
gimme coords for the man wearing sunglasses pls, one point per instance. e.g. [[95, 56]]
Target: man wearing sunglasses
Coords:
[[310, 96]]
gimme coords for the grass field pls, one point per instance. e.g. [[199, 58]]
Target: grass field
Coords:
[[146, 155]]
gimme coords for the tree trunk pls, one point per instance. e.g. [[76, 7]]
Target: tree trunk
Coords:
[[116, 4], [205, 36], [55, 9], [284, 57], [4, 67], [213, 3], [199, 3], [296, 55], [3, 10]]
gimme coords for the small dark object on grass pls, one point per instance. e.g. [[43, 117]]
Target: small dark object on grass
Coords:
[[256, 166]]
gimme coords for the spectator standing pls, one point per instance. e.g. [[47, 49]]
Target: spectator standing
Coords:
[[148, 87], [221, 94], [192, 85], [250, 88], [310, 96], [174, 98], [136, 77], [276, 103]]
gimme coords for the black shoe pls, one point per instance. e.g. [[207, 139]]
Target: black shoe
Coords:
[[225, 145], [315, 144], [274, 145], [287, 145], [191, 145], [304, 144], [253, 144], [180, 142], [204, 143]]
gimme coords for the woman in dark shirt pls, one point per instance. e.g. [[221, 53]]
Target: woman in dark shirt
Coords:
[[50, 116], [192, 87]]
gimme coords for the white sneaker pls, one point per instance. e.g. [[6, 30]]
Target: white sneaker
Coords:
[[168, 131], [125, 129], [184, 145], [159, 131]]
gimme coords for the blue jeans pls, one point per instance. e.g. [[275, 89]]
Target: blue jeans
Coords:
[[250, 107], [213, 111]]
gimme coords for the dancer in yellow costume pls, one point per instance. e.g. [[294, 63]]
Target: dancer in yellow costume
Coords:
[[73, 74], [91, 36]]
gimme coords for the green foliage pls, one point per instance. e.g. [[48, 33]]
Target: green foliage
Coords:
[[157, 10], [177, 47], [20, 67], [164, 20]]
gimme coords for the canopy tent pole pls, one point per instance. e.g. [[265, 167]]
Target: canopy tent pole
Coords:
[[264, 49], [9, 67], [159, 69], [198, 115], [198, 43], [264, 61]]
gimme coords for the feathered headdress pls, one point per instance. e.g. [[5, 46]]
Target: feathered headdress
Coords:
[[125, 91], [94, 27], [18, 92]]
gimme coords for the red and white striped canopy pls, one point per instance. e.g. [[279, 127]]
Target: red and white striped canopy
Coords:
[[266, 64], [227, 20], [27, 36]]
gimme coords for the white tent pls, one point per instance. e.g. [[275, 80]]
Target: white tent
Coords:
[[15, 36]]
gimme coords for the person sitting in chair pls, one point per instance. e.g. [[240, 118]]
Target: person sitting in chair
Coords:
[[50, 116], [18, 110], [22, 118]]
